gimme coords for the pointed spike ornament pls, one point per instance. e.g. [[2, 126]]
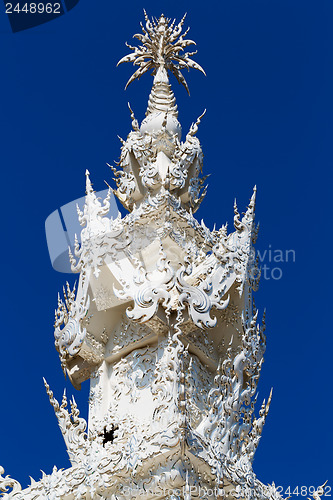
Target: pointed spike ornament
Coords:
[[252, 206], [236, 215], [89, 188], [194, 127], [135, 124]]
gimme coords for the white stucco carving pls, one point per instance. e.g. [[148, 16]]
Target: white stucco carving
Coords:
[[161, 322]]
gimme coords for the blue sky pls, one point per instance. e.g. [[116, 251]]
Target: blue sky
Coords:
[[269, 121]]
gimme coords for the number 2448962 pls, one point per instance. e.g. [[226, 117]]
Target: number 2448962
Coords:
[[33, 8]]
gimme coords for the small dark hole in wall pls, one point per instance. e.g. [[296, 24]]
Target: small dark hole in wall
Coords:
[[109, 436]]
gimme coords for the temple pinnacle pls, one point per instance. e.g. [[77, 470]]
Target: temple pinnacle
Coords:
[[163, 48]]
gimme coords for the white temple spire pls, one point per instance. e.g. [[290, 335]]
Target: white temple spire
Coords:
[[162, 50], [162, 323]]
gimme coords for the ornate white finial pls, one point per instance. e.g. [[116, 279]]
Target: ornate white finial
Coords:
[[89, 188], [162, 49]]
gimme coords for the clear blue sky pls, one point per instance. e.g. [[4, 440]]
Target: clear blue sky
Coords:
[[269, 121]]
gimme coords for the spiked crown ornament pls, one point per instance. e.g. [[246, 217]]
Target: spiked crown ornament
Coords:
[[162, 49]]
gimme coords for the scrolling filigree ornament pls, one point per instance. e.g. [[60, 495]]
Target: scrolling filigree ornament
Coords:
[[101, 236], [229, 425], [200, 288], [148, 289], [69, 339], [201, 298], [155, 159], [72, 426]]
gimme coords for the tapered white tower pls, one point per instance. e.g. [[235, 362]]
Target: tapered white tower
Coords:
[[162, 322]]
